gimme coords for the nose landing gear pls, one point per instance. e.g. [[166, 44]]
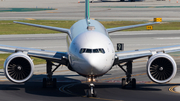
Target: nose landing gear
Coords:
[[91, 92]]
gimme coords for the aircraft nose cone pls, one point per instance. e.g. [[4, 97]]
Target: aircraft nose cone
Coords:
[[95, 64]]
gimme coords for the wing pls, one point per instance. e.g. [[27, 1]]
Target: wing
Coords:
[[54, 56], [131, 55], [110, 30], [64, 30]]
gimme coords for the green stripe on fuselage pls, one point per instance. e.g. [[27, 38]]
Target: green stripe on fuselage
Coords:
[[87, 13]]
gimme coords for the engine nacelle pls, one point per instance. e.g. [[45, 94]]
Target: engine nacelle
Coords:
[[18, 67], [161, 68]]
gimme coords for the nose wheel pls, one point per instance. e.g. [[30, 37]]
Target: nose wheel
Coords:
[[133, 82], [91, 92]]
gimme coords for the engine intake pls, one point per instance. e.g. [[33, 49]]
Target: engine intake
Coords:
[[161, 68], [18, 67]]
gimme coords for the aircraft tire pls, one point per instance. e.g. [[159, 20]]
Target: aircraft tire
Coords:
[[123, 83], [94, 93], [54, 82], [133, 83], [88, 93], [44, 82]]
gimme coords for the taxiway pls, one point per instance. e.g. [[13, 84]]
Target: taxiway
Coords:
[[72, 10], [71, 86]]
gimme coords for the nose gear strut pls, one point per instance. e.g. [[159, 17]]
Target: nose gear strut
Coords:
[[91, 92]]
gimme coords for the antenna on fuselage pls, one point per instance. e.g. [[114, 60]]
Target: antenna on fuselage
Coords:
[[87, 13]]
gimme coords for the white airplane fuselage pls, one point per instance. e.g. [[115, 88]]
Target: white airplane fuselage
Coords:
[[91, 52]]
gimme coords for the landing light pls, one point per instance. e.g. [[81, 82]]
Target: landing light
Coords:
[[89, 80]]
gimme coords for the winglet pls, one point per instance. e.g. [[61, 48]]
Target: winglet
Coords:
[[87, 13]]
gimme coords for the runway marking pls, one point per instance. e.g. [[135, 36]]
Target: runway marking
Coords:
[[122, 77], [150, 20], [4, 80], [152, 44], [62, 88], [171, 89], [169, 38], [53, 12], [150, 82], [30, 19], [54, 72], [116, 77], [35, 74]]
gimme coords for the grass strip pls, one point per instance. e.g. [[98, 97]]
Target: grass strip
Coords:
[[8, 27]]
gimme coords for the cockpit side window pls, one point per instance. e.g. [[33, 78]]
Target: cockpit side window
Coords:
[[101, 50], [82, 50]]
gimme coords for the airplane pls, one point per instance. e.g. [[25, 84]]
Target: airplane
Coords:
[[90, 54]]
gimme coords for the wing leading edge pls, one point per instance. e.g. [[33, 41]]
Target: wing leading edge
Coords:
[[54, 56], [110, 30], [64, 30], [131, 55]]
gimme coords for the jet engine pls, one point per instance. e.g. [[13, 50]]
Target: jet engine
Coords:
[[161, 68], [18, 67]]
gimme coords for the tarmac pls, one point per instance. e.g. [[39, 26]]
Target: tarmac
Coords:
[[72, 10], [150, 39]]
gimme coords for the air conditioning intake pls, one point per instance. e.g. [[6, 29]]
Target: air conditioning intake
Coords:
[[18, 67], [161, 68]]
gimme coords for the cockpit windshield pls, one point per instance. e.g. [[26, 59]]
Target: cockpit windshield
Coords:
[[95, 50], [87, 50]]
